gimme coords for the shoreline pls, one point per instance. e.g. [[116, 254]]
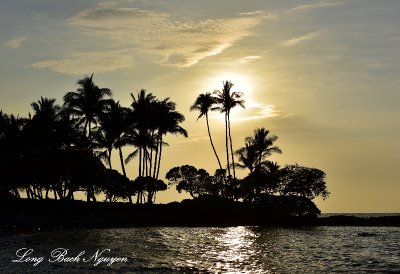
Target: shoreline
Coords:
[[22, 215]]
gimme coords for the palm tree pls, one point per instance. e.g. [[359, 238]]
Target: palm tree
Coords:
[[204, 103], [247, 157], [263, 144], [227, 101], [168, 122], [104, 138], [46, 141], [110, 135], [119, 117], [85, 105], [139, 132], [151, 120], [44, 123], [46, 111]]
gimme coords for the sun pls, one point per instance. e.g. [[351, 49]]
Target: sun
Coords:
[[241, 83]]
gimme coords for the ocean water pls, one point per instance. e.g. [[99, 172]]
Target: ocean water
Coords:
[[208, 250]]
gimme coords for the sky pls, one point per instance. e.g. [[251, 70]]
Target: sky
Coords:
[[321, 75]]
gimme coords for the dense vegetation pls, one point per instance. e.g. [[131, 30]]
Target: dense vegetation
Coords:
[[57, 151], [62, 149]]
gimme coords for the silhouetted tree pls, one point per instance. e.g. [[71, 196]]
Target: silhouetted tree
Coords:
[[117, 186], [139, 135], [227, 100], [12, 147], [152, 119], [262, 143], [205, 103], [247, 157], [149, 187], [190, 179], [262, 181], [110, 134], [168, 123], [303, 181], [85, 105], [257, 148]]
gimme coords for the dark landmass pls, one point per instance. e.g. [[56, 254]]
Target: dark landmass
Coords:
[[32, 215]]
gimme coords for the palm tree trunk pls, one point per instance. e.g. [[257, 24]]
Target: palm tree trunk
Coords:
[[140, 161], [90, 136], [28, 192], [211, 141], [156, 157], [156, 162], [146, 162], [85, 127], [230, 140], [121, 158], [226, 145], [159, 158], [151, 154], [109, 157]]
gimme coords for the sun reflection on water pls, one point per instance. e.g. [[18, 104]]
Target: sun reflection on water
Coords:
[[236, 254]]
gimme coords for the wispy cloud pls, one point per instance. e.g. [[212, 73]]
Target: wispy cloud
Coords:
[[297, 40], [253, 111], [321, 4], [197, 137], [178, 41], [15, 42], [86, 62], [249, 58]]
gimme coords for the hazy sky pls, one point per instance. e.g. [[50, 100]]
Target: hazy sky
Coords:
[[322, 75]]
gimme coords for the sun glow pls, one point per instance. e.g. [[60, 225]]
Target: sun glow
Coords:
[[241, 83]]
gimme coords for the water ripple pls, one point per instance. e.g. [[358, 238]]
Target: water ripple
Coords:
[[218, 250]]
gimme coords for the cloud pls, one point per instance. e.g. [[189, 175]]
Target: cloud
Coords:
[[253, 111], [248, 59], [87, 62], [297, 40], [196, 137], [15, 43], [321, 4], [176, 40]]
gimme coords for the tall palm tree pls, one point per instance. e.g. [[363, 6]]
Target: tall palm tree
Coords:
[[45, 141], [85, 105], [263, 143], [227, 100], [119, 117], [139, 133], [110, 135], [104, 138], [152, 119], [204, 103], [168, 122]]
